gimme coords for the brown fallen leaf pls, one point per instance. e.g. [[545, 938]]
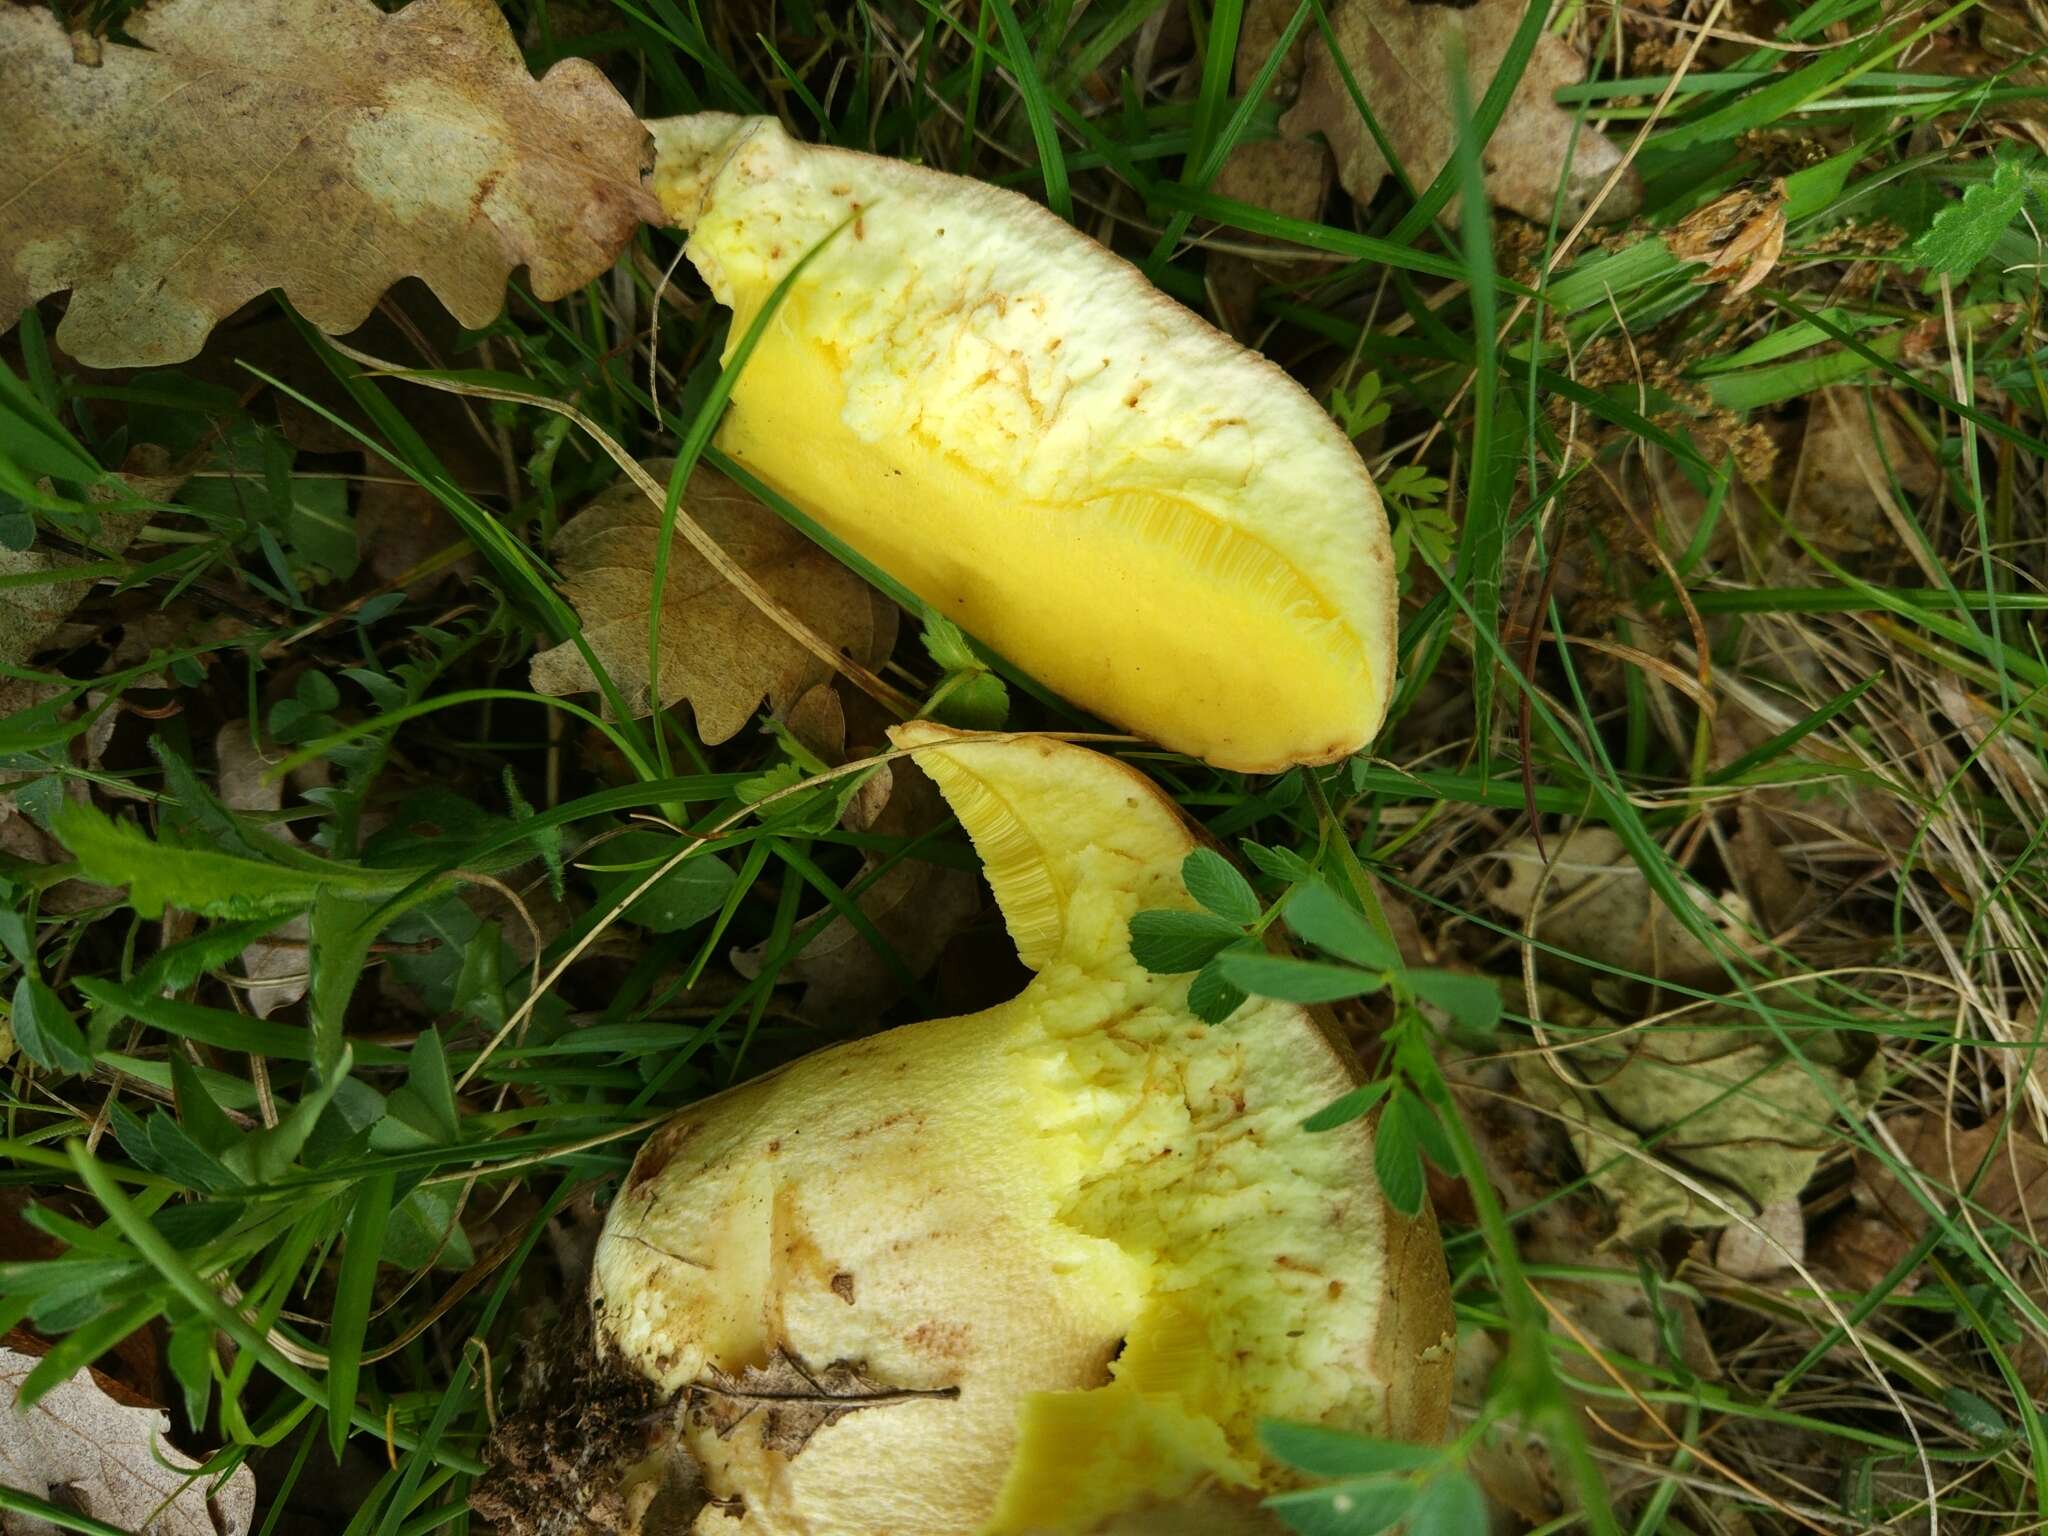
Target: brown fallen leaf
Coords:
[[30, 614], [1290, 177], [277, 965], [1853, 458], [791, 1401], [1590, 898], [1885, 1220], [1396, 50], [2012, 1190], [718, 650], [1739, 237], [1690, 1124], [1772, 1247], [318, 146], [111, 1460]]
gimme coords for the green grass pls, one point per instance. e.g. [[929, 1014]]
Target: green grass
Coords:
[[1632, 623]]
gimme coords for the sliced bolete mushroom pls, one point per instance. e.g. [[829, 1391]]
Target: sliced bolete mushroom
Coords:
[[1016, 425], [1038, 1269]]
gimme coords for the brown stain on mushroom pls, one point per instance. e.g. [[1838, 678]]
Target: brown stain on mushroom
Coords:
[[659, 1152], [945, 1342]]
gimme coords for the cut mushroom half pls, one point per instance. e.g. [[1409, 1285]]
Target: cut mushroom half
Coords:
[[1012, 422], [1065, 1253]]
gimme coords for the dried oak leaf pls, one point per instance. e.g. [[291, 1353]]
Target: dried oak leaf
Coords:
[[791, 1401], [1396, 51], [718, 650], [1591, 899], [110, 1460], [1887, 1219], [317, 146], [1690, 1124]]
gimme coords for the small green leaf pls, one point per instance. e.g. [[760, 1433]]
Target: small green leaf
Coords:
[[1356, 1508], [424, 1230], [1450, 1505], [1323, 918], [1167, 941], [190, 1355], [45, 1030], [682, 898], [969, 695], [1282, 864], [1295, 981], [1975, 1417], [204, 1121], [341, 931], [1344, 1110], [946, 643], [15, 940], [1324, 1452], [1397, 1157], [1211, 998], [1472, 1001], [428, 1079], [1429, 1132], [1214, 882], [973, 701]]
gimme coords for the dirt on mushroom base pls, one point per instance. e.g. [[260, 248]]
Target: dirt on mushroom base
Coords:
[[589, 1448]]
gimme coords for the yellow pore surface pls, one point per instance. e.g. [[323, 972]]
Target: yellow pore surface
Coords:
[[1012, 422], [1093, 1214]]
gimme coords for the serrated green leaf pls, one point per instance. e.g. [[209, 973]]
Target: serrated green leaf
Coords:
[[1211, 997], [1214, 882], [1168, 941], [974, 701], [1319, 916], [946, 643], [45, 1031], [1963, 233], [200, 880], [1295, 981]]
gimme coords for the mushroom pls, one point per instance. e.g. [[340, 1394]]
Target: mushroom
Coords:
[[1017, 426], [1038, 1269]]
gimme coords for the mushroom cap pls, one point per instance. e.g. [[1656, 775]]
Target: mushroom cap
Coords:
[[1089, 1219], [1017, 426]]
